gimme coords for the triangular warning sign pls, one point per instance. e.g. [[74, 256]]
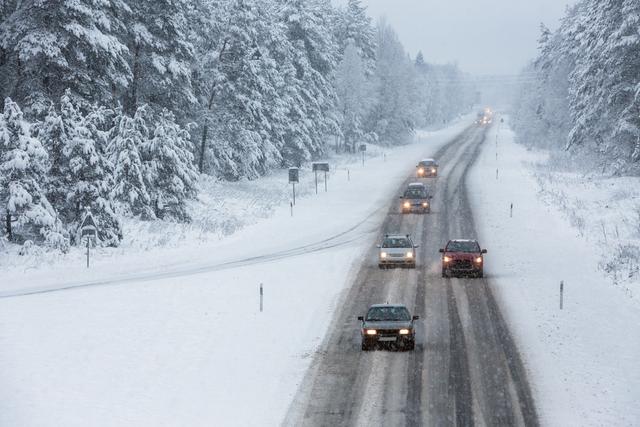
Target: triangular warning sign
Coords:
[[88, 221]]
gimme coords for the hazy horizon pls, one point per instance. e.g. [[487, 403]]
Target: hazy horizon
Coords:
[[489, 37]]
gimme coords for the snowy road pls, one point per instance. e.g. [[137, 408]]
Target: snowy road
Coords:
[[465, 369]]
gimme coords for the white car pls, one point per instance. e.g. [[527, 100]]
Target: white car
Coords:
[[397, 250]]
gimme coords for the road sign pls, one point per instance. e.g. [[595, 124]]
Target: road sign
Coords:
[[88, 227], [320, 166], [293, 175]]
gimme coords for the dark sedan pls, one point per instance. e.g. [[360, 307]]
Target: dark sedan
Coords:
[[388, 324], [462, 257]]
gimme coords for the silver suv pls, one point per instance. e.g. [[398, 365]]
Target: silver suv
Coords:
[[397, 250]]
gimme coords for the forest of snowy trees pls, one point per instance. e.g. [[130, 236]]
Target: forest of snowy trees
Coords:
[[583, 90], [118, 105]]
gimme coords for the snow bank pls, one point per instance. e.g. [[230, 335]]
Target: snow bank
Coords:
[[177, 337], [582, 360]]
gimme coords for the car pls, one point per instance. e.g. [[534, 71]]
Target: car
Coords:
[[416, 198], [426, 168], [462, 257], [397, 250], [388, 324]]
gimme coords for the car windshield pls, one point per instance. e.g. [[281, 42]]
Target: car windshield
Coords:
[[415, 193], [396, 242], [459, 246], [388, 313], [427, 163]]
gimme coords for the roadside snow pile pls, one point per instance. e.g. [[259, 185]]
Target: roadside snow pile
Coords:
[[606, 212], [581, 360]]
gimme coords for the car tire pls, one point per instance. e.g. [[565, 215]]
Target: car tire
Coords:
[[411, 346], [365, 347], [480, 274], [412, 265], [444, 273]]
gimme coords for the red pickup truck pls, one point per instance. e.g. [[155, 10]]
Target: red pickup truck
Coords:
[[462, 257]]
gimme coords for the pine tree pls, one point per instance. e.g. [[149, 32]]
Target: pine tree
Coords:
[[351, 88], [354, 26], [130, 136], [55, 45], [27, 213], [171, 173], [160, 56], [85, 175]]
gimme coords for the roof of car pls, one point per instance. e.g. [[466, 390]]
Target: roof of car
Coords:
[[388, 305], [463, 240], [397, 236], [417, 184], [428, 160]]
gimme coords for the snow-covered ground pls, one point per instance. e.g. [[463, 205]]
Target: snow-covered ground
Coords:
[[172, 335], [583, 359]]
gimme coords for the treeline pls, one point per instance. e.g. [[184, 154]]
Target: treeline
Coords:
[[583, 90], [127, 100]]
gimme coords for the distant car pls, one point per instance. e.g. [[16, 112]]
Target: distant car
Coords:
[[427, 168], [397, 251], [388, 324], [416, 198], [462, 257]]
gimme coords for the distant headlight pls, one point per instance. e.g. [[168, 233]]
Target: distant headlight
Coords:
[[404, 332], [371, 332], [383, 254], [420, 171], [447, 259], [478, 259], [433, 170], [409, 254], [407, 204], [425, 204]]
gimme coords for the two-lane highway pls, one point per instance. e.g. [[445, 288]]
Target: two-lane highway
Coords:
[[465, 369]]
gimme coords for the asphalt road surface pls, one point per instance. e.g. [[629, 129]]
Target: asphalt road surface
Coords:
[[465, 369]]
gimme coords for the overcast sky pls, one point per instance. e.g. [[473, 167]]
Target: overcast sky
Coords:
[[482, 36]]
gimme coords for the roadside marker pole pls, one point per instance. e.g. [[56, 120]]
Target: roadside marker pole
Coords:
[[316, 172], [561, 292], [496, 173], [348, 175], [261, 297], [511, 211], [291, 204], [363, 158]]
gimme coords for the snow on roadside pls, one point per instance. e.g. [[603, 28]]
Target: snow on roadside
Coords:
[[194, 349], [582, 360]]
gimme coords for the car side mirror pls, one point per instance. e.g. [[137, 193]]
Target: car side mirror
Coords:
[[401, 197], [360, 317], [416, 246], [378, 246], [416, 317], [430, 197], [441, 250], [484, 251]]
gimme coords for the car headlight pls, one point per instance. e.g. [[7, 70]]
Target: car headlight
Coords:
[[404, 331], [447, 259], [420, 171], [407, 204], [409, 254], [371, 332], [433, 170], [383, 254], [425, 204], [478, 259]]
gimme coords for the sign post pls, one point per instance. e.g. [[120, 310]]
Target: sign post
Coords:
[[88, 231], [363, 149], [323, 167], [293, 179]]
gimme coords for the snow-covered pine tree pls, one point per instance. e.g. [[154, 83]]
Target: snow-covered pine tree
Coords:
[[315, 59], [160, 56], [129, 138], [353, 25], [171, 173], [351, 88], [85, 174], [54, 45], [26, 212]]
